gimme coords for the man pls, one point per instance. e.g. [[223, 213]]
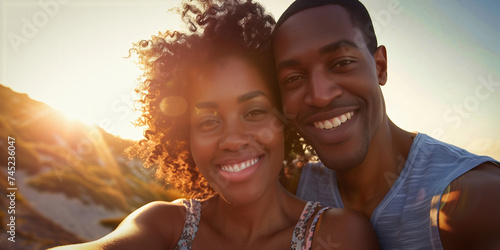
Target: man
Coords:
[[330, 73]]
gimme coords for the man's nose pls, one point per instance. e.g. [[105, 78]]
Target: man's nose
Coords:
[[322, 89]]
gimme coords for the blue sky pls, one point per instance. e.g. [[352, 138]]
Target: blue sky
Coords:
[[443, 61]]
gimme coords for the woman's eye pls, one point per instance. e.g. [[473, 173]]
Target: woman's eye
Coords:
[[208, 124], [255, 114]]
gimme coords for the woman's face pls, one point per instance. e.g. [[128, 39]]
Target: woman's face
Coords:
[[236, 139]]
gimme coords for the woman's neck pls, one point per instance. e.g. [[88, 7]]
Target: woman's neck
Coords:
[[275, 211]]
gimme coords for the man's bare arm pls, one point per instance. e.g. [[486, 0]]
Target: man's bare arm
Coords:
[[469, 217]]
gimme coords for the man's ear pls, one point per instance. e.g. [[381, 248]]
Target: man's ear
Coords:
[[380, 57]]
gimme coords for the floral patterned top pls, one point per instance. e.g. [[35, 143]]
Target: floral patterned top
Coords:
[[193, 214], [301, 238]]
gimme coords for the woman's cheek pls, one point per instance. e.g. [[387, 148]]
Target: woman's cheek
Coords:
[[202, 150], [270, 131]]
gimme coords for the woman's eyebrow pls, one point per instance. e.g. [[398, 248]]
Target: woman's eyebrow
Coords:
[[251, 95], [206, 105], [242, 98]]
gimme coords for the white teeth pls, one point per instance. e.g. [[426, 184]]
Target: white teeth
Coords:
[[319, 125], [239, 166], [328, 125], [343, 118], [334, 122]]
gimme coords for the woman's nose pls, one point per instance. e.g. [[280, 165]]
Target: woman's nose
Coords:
[[234, 137]]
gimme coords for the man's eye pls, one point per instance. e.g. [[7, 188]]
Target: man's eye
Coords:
[[292, 81], [342, 63]]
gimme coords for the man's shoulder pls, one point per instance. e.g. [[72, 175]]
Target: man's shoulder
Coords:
[[425, 144], [433, 163], [430, 151]]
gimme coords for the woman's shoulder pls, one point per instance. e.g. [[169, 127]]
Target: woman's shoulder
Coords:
[[157, 224], [158, 212], [165, 219], [344, 229], [159, 208]]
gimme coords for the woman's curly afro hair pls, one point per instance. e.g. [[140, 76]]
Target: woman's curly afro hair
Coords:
[[169, 59]]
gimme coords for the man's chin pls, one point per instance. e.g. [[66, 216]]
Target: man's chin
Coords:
[[341, 161]]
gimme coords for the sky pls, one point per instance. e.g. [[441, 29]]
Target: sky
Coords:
[[443, 58]]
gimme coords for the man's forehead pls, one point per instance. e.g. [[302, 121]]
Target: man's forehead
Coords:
[[318, 25], [300, 5], [317, 15], [315, 12]]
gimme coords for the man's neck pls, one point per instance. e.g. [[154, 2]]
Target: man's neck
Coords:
[[363, 187]]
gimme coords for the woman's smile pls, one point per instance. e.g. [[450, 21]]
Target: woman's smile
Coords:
[[239, 166]]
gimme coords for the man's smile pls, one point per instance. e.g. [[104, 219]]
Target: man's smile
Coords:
[[333, 122]]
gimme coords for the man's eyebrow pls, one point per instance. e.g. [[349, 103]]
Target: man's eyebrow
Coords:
[[337, 45], [250, 95], [324, 50], [287, 64]]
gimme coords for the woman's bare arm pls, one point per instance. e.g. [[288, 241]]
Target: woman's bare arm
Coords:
[[157, 225]]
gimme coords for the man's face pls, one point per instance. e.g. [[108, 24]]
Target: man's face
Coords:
[[330, 83]]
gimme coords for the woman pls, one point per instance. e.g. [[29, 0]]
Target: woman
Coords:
[[212, 111]]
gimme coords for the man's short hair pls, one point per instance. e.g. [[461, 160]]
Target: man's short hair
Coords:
[[359, 16]]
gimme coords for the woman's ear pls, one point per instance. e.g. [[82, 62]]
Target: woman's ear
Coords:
[[380, 57]]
